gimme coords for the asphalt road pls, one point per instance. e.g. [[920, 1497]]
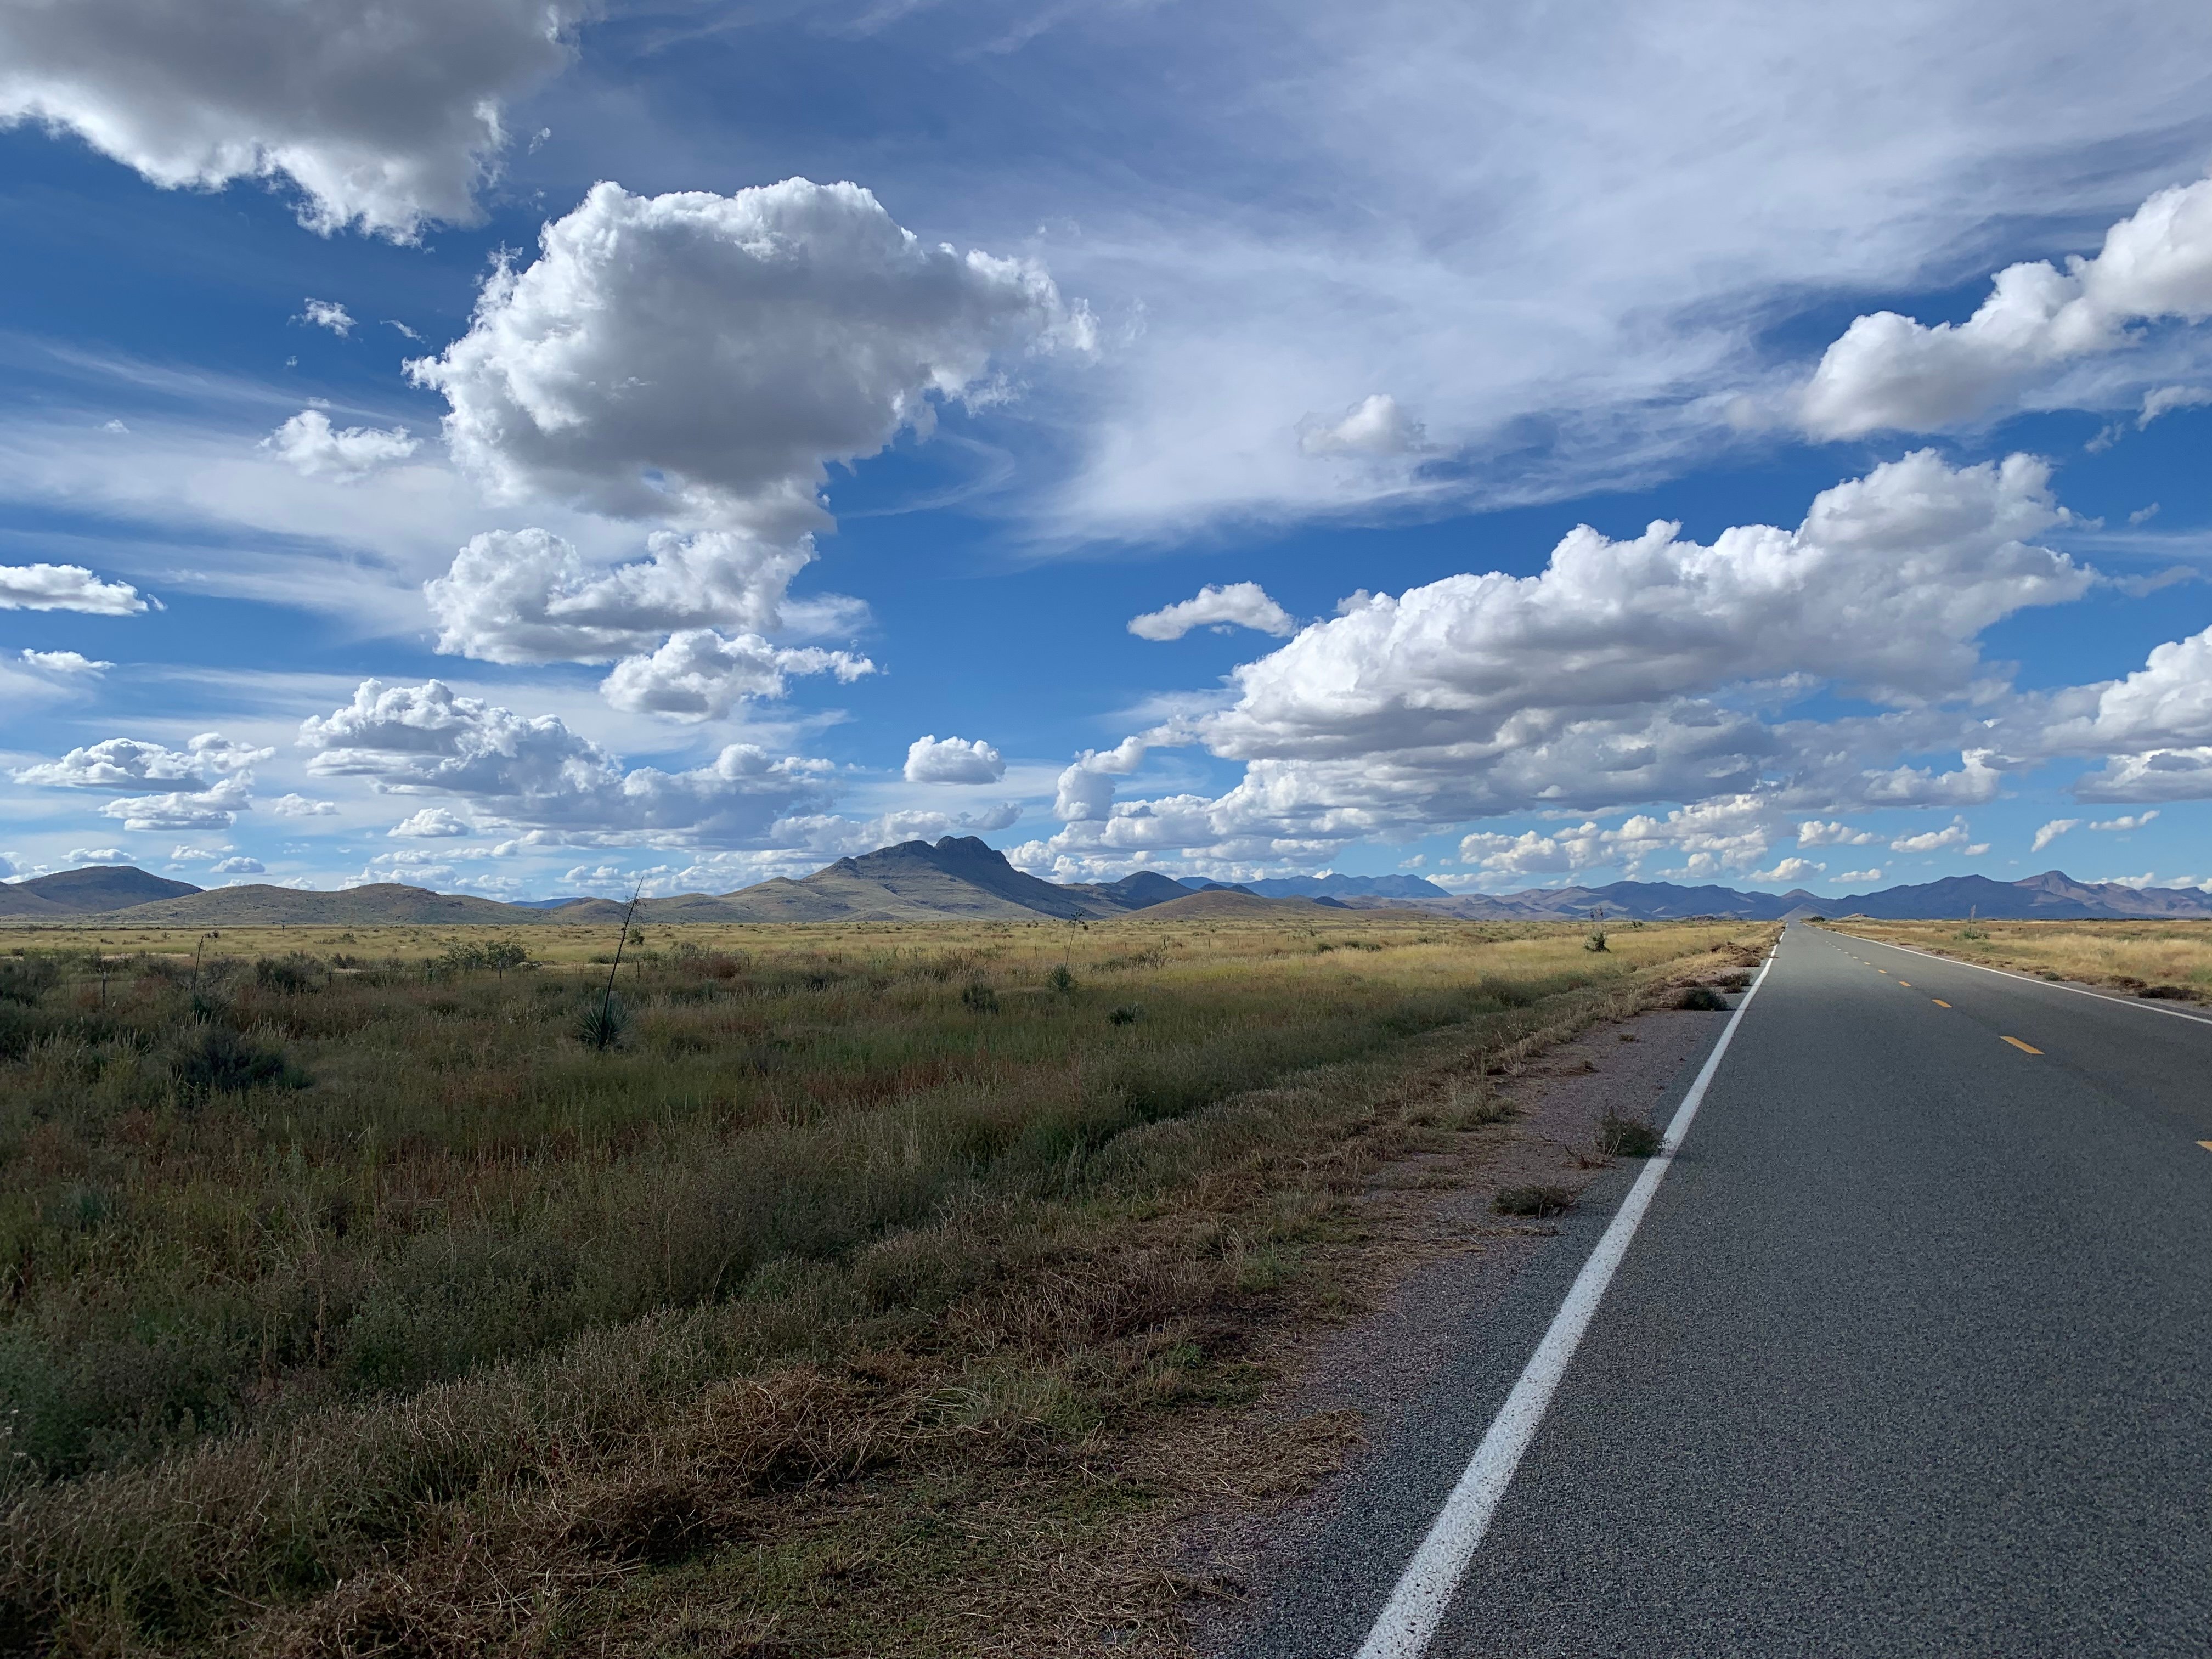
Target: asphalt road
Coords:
[[1912, 1354]]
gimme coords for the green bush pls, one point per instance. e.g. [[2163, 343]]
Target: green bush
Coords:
[[28, 979], [218, 1061]]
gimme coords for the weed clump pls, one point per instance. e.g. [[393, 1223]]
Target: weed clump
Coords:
[[1701, 999], [290, 974], [1128, 1014], [217, 1061], [28, 979], [1061, 981], [1537, 1200], [978, 998], [1626, 1137]]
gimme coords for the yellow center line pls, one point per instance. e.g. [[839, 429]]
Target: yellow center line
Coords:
[[1906, 983], [2025, 1047], [1939, 1002], [2206, 1145]]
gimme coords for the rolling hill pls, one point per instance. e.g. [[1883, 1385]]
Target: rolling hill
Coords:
[[961, 876], [101, 887], [383, 905]]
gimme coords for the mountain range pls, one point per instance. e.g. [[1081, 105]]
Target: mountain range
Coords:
[[960, 877]]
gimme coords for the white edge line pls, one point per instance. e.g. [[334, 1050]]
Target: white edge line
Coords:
[[2030, 979], [1409, 1619]]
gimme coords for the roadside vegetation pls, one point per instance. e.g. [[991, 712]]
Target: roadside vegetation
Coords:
[[401, 1293], [2151, 958]]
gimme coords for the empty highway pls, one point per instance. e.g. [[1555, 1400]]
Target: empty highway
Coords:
[[1910, 1353]]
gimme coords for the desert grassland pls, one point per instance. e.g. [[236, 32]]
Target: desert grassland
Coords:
[[349, 1304], [2162, 958]]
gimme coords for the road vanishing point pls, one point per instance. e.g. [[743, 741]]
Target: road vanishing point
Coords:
[[1905, 1349]]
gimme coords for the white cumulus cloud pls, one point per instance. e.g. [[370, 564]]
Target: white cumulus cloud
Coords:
[[1790, 870], [1238, 605], [431, 823], [67, 663], [118, 762], [931, 759], [528, 595], [330, 314], [1853, 878], [703, 358], [213, 808], [239, 866], [535, 775], [700, 675], [1815, 833], [66, 588], [1954, 834], [1626, 671], [2130, 821], [1889, 371], [301, 806], [313, 447], [383, 114]]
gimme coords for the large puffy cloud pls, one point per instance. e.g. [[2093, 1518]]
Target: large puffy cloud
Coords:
[[535, 775], [931, 759], [313, 447], [1883, 588], [1650, 670], [2152, 729], [701, 675], [383, 114], [1710, 836], [528, 595], [703, 358], [216, 807], [66, 588], [1239, 605], [1889, 371], [120, 762]]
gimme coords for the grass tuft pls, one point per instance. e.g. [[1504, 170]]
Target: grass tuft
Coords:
[[1627, 1137], [1533, 1201]]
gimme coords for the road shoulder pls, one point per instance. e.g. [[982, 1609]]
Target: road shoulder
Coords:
[[1460, 1297]]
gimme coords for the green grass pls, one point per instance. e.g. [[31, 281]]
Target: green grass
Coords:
[[311, 1261]]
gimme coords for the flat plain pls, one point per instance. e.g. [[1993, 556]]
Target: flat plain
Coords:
[[364, 1291]]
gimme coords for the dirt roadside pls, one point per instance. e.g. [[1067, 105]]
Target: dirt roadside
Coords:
[[1433, 1259]]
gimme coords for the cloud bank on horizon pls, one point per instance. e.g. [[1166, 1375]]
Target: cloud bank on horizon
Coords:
[[1268, 499]]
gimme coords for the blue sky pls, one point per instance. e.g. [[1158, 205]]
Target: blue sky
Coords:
[[517, 446]]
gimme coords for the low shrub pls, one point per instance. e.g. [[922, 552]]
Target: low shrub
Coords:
[[602, 1022], [217, 1061], [28, 979], [1701, 999], [1627, 1137], [1537, 1200]]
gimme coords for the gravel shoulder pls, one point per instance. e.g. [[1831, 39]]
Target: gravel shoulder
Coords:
[[1460, 1295]]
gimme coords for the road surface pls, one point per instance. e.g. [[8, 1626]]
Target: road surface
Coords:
[[1911, 1353]]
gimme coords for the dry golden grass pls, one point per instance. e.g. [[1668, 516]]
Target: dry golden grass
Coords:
[[2161, 958], [838, 1309]]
